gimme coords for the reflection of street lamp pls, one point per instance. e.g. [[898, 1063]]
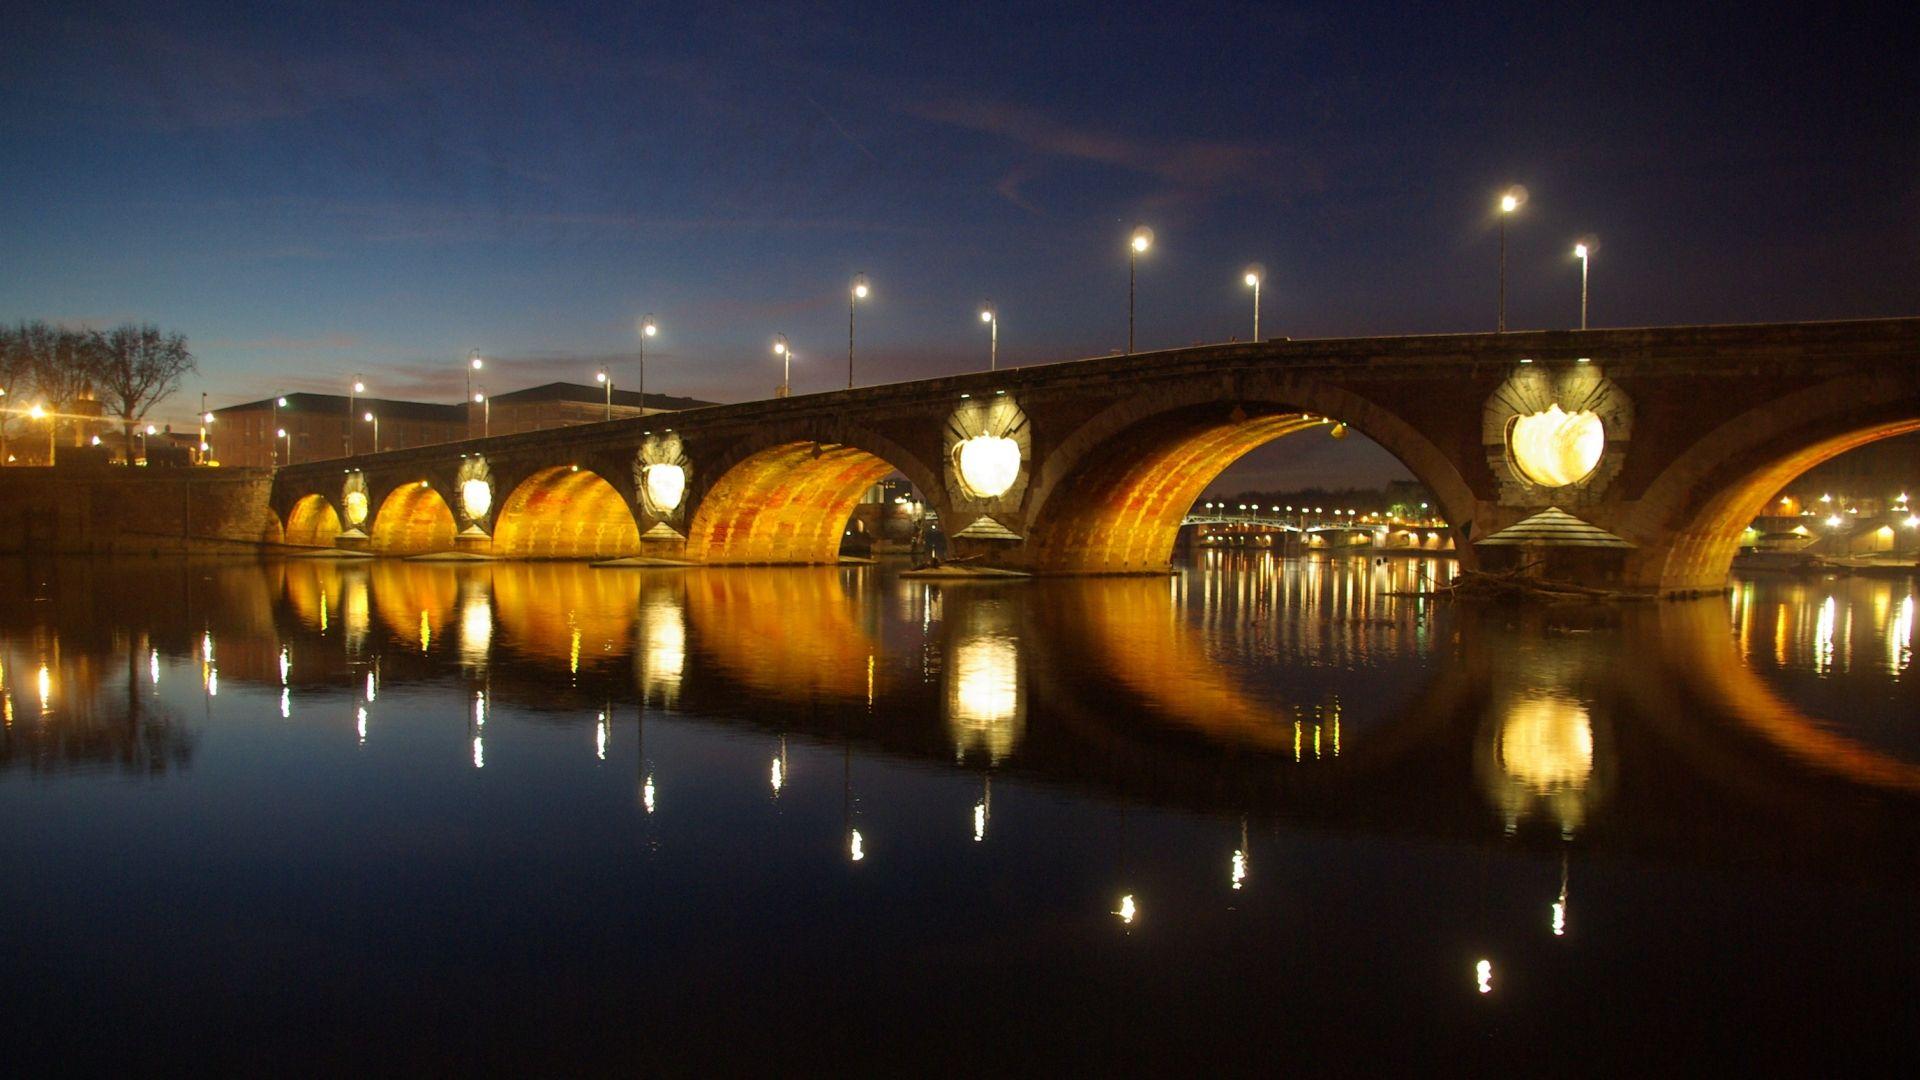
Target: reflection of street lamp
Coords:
[[1142, 240], [606, 380], [375, 421], [785, 353], [991, 316], [859, 292]]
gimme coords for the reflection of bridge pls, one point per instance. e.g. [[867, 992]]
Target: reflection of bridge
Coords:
[[1670, 439]]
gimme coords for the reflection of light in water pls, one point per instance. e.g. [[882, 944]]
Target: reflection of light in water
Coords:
[[153, 666], [1560, 903], [979, 821], [213, 682], [46, 688], [479, 753], [779, 776], [476, 629], [357, 611], [206, 646], [984, 706], [1483, 974], [370, 686], [426, 632], [646, 794], [1823, 638], [286, 703], [856, 846], [1900, 638], [663, 630], [573, 651], [1545, 754], [286, 664], [323, 613], [479, 708], [1127, 909], [1239, 874], [600, 738], [362, 724]]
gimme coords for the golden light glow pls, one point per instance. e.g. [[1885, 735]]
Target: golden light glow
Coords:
[[988, 465], [984, 709], [856, 846], [979, 822], [986, 315], [1483, 975], [1556, 448], [646, 794], [1127, 910], [476, 496], [600, 735], [357, 507], [1579, 251], [1509, 203], [664, 635], [1253, 279], [666, 486], [1142, 239], [1546, 743], [1239, 873]]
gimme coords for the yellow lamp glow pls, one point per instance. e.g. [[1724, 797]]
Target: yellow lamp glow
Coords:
[[988, 465], [666, 485], [477, 496], [1556, 448], [356, 504]]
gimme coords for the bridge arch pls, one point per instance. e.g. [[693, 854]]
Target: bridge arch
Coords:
[[1690, 518], [565, 512], [1111, 497], [312, 522], [413, 519], [784, 497]]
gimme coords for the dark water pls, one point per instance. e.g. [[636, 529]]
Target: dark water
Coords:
[[312, 815]]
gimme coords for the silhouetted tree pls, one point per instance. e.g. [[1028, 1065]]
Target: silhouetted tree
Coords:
[[16, 376], [136, 368]]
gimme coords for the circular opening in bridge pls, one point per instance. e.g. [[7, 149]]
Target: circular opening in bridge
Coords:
[[1556, 448]]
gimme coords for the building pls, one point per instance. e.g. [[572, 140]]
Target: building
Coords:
[[321, 425], [561, 404]]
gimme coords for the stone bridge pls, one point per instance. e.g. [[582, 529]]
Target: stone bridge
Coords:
[[1666, 441]]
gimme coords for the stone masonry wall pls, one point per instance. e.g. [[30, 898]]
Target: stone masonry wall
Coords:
[[70, 510]]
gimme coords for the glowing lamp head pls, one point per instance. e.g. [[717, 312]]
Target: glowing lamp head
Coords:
[[860, 287], [648, 328], [151, 430], [479, 398], [208, 418], [476, 363], [359, 387], [988, 465], [280, 434], [37, 412], [1509, 203], [986, 314], [599, 376], [779, 348], [1556, 448], [1253, 279], [476, 496], [368, 417], [1142, 239], [1579, 251], [664, 486], [282, 402]]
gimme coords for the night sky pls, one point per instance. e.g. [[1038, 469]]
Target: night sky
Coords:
[[309, 191]]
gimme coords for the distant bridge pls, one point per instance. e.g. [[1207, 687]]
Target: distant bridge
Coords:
[[1668, 440]]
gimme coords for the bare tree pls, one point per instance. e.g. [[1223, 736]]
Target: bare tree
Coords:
[[16, 374], [135, 368], [60, 364]]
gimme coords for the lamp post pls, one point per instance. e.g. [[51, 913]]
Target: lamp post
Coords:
[[785, 352], [1580, 252], [206, 421], [486, 413], [278, 404], [145, 434], [858, 293], [991, 316], [281, 433], [648, 328], [606, 380], [1509, 202], [474, 363], [1142, 240], [1253, 279], [357, 389], [375, 421]]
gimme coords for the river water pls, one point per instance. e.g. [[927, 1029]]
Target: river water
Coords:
[[384, 815]]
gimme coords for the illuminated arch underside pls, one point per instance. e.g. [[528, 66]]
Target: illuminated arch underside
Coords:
[[561, 513], [312, 523], [414, 520], [1123, 512], [788, 504], [1703, 550]]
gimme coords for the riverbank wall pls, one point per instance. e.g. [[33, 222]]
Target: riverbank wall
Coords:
[[115, 510]]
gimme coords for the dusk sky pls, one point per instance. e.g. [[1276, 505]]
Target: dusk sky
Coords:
[[316, 190]]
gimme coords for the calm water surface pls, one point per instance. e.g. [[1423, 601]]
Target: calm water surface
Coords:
[[320, 815]]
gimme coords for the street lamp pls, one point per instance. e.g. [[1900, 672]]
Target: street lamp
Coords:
[[1509, 202], [282, 434], [486, 413], [1142, 240], [859, 292], [991, 316], [145, 434], [1580, 252], [375, 421], [39, 412], [1253, 280], [785, 352], [278, 404], [357, 389], [606, 380], [648, 328], [474, 363]]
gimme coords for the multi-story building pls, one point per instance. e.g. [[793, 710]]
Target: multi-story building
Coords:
[[326, 426]]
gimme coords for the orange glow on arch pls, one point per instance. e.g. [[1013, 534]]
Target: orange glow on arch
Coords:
[[312, 523], [787, 504], [563, 513], [1123, 511], [414, 520]]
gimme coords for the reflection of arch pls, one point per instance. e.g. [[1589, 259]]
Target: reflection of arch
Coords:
[[1692, 514], [788, 633], [785, 504], [413, 601], [565, 513], [1112, 496], [312, 523], [563, 613], [413, 520]]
